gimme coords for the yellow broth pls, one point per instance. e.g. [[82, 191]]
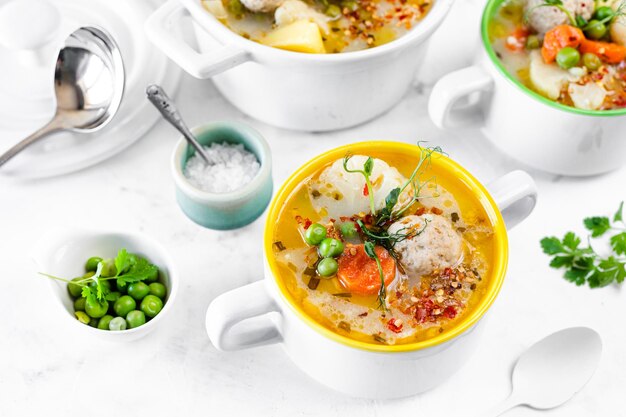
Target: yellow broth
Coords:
[[358, 25], [478, 233]]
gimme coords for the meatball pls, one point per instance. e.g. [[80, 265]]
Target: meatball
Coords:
[[438, 246], [262, 6], [544, 18]]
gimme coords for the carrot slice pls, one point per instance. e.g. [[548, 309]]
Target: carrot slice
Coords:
[[359, 273], [608, 52], [558, 38]]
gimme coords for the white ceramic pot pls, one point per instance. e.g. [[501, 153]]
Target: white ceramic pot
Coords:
[[525, 125], [358, 368], [311, 92]]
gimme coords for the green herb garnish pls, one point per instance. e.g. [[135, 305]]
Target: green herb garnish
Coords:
[[382, 292], [582, 264], [130, 268], [368, 167]]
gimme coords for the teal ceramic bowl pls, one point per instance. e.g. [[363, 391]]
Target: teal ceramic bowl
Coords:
[[224, 211]]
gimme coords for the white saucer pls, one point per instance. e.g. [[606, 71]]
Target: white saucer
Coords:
[[27, 98]]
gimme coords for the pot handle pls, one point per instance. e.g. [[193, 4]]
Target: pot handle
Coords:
[[158, 28], [234, 308], [515, 195], [443, 104]]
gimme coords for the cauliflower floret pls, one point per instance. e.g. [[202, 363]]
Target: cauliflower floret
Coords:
[[438, 246], [294, 10], [262, 6], [544, 18], [589, 96]]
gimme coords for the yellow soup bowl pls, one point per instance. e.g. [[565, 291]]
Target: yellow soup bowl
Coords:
[[351, 366]]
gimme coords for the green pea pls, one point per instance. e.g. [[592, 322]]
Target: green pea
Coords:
[[103, 323], [117, 323], [74, 289], [108, 268], [348, 230], [153, 276], [79, 304], [327, 267], [151, 305], [82, 317], [104, 283], [95, 308], [92, 263], [157, 289], [330, 248], [138, 290], [113, 296], [533, 42], [93, 322], [124, 305], [567, 57], [592, 61], [595, 29], [604, 12], [315, 234], [135, 318], [333, 11]]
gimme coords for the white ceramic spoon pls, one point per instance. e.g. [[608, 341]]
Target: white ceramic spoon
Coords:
[[552, 370]]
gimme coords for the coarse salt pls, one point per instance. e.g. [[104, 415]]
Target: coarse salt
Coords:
[[233, 167]]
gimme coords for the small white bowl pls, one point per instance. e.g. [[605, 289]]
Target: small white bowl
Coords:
[[63, 253]]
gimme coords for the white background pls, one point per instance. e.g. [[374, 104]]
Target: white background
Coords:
[[48, 368]]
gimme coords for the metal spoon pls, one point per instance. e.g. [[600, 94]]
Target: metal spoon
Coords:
[[552, 370], [168, 109], [88, 84]]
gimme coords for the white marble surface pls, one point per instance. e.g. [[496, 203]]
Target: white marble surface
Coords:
[[47, 368]]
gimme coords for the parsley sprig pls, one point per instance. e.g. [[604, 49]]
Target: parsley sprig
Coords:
[[581, 263], [129, 268]]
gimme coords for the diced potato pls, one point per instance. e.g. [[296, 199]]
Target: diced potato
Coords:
[[589, 96], [618, 30], [300, 36], [548, 79]]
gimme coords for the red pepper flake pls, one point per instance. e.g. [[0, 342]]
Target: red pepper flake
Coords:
[[450, 312], [363, 314], [436, 210], [305, 223], [395, 325], [366, 191], [420, 211]]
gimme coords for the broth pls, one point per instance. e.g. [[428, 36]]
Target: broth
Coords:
[[321, 26], [411, 305]]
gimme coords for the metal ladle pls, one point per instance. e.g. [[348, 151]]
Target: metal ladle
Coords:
[[88, 85]]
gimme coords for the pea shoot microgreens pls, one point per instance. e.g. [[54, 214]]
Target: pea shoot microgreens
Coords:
[[582, 264], [129, 268], [377, 234], [368, 167], [382, 292]]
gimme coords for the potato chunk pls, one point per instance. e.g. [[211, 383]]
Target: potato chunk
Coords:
[[548, 79], [300, 36]]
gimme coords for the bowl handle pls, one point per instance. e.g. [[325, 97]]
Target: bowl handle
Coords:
[[158, 28], [443, 104], [235, 308], [515, 195]]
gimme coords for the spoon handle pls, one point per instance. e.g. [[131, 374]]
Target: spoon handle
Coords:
[[52, 126], [168, 109], [501, 408]]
